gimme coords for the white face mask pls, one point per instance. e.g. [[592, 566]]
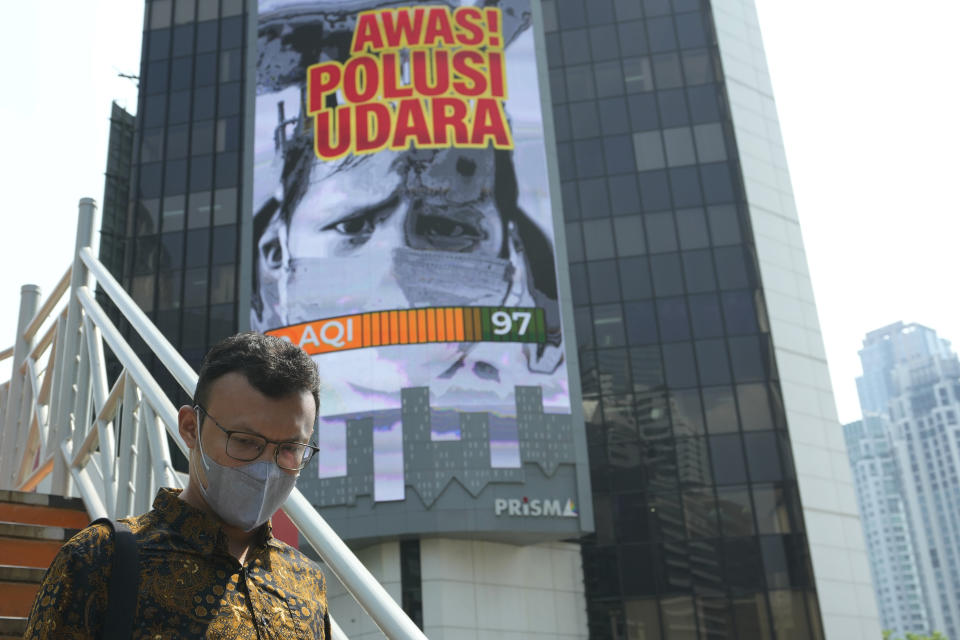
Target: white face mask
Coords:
[[399, 279], [245, 496]]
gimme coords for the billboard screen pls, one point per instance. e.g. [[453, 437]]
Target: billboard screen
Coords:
[[404, 237]]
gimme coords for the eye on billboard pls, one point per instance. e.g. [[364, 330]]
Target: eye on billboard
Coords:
[[404, 237]]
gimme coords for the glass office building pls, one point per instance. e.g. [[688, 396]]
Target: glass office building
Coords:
[[723, 502], [183, 229]]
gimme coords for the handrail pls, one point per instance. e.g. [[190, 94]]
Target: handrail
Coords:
[[133, 365], [46, 340], [41, 472], [182, 372], [365, 589], [6, 353]]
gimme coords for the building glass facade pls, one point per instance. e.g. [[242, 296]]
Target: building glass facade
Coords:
[[116, 190], [700, 532], [699, 527], [181, 260]]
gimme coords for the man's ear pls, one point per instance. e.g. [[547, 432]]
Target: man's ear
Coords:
[[187, 424]]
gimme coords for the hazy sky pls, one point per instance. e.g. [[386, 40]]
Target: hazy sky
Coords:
[[60, 64], [868, 103]]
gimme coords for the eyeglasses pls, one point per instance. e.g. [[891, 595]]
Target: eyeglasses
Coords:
[[247, 447]]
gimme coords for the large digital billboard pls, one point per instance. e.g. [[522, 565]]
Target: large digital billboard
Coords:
[[404, 236]]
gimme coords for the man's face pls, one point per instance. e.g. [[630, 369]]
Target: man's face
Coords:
[[238, 406], [387, 200]]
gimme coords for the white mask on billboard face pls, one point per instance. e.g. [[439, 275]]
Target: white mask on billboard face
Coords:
[[401, 279], [318, 288]]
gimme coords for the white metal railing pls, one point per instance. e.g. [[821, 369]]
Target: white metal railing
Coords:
[[59, 418]]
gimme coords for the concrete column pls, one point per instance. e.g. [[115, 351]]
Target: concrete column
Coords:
[[62, 421], [10, 447]]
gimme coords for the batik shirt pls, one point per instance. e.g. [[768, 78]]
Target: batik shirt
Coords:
[[190, 585]]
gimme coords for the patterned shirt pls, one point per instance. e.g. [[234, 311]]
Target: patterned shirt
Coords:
[[190, 585]]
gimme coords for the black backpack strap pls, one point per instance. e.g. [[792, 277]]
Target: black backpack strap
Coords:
[[124, 583]]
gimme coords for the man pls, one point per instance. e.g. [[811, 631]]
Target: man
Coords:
[[208, 564]]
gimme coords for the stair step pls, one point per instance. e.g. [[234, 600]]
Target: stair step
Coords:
[[25, 545], [37, 514], [33, 527], [17, 573], [12, 627], [41, 500], [16, 598], [35, 531]]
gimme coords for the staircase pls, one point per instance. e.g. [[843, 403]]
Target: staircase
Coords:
[[33, 527], [68, 425]]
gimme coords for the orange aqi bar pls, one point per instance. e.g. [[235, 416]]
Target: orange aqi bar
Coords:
[[384, 328]]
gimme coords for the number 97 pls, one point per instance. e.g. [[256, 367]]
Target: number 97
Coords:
[[503, 322]]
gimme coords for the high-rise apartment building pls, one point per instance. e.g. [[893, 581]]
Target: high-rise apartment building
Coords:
[[886, 527], [910, 389], [723, 503]]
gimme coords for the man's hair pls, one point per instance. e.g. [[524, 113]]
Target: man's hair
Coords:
[[274, 367]]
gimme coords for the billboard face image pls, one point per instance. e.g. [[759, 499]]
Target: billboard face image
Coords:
[[404, 233]]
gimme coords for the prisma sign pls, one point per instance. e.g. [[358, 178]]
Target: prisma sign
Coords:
[[535, 508]]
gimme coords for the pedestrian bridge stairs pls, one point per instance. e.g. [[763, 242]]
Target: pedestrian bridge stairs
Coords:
[[33, 527]]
